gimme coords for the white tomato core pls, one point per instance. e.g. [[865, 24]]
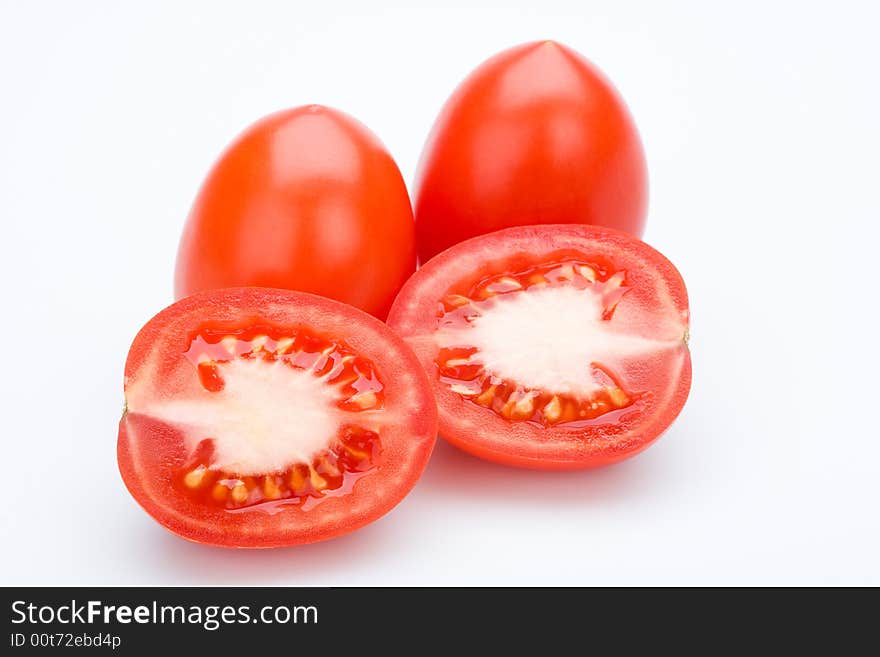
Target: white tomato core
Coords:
[[554, 344], [267, 417], [550, 339]]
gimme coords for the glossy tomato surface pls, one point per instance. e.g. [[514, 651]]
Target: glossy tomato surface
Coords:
[[305, 199], [535, 135], [260, 417], [553, 347]]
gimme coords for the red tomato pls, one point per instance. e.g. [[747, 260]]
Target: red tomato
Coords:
[[305, 199], [258, 417], [553, 347], [535, 135]]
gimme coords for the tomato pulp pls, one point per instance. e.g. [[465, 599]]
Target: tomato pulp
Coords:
[[259, 418], [535, 135], [554, 347], [305, 199]]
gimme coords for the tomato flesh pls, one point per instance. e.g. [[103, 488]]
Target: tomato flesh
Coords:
[[550, 346], [261, 417]]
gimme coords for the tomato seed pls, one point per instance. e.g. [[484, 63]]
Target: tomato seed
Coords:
[[258, 343], [239, 494], [363, 400], [317, 481], [194, 478], [553, 410], [618, 397], [504, 284], [271, 490], [283, 345], [298, 478], [485, 398], [453, 301]]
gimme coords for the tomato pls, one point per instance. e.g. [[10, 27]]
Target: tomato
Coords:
[[535, 135], [552, 347], [305, 199], [258, 417]]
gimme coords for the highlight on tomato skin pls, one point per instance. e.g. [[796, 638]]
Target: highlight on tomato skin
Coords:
[[534, 135], [261, 418], [304, 199], [550, 347]]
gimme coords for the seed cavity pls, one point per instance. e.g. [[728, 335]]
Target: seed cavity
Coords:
[[463, 369], [209, 376], [358, 384], [212, 478], [356, 451]]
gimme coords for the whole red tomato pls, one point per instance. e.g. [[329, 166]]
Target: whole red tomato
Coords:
[[535, 135], [305, 199]]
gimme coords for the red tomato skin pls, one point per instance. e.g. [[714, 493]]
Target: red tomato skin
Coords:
[[305, 199], [487, 435], [535, 135], [145, 447]]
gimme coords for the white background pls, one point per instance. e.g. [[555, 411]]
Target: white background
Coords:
[[760, 122]]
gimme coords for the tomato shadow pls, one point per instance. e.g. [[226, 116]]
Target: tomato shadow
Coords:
[[347, 557], [454, 475], [452, 480]]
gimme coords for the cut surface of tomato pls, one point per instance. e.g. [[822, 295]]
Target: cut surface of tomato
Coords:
[[260, 418], [557, 346]]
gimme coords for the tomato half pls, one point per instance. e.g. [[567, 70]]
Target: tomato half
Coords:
[[535, 135], [552, 347], [305, 199], [260, 418]]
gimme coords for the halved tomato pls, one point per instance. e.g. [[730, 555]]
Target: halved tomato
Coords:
[[259, 418], [553, 347]]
